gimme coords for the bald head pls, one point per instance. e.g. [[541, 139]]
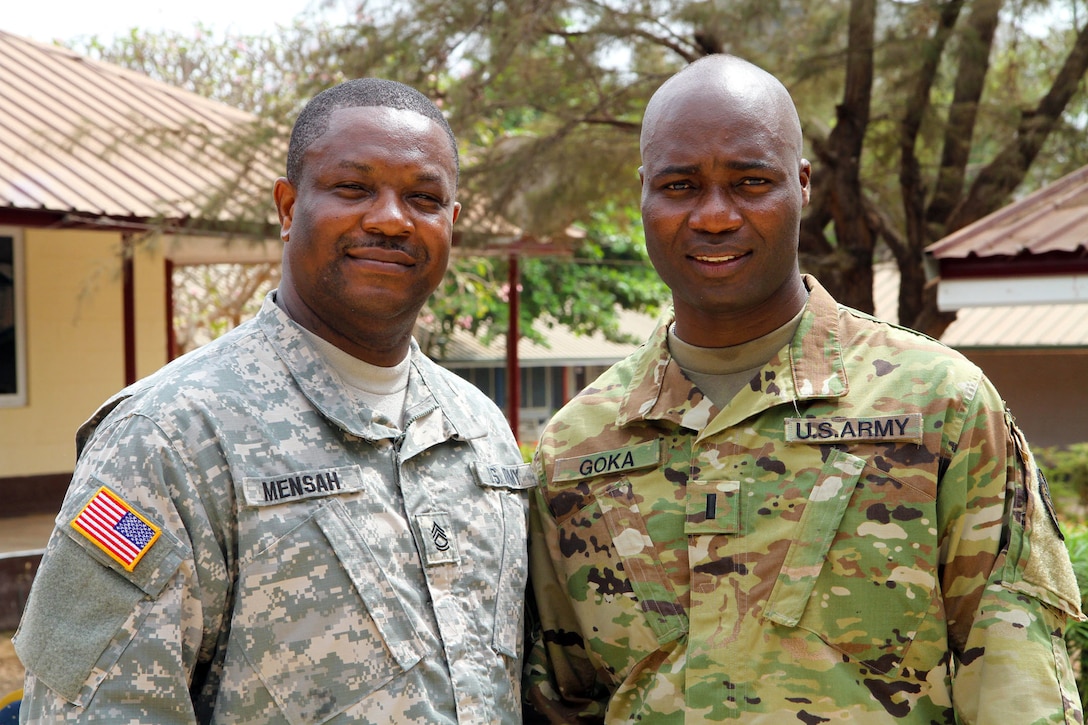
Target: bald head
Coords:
[[723, 188], [728, 81]]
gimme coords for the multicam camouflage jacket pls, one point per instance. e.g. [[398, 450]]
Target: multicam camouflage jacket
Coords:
[[860, 536], [242, 544]]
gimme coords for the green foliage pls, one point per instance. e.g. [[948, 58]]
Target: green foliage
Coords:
[[547, 99], [1066, 471], [607, 271], [528, 450], [1076, 634], [267, 75]]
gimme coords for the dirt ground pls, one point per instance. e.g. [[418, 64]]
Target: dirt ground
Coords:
[[11, 670]]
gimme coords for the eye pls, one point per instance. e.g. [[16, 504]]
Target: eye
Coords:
[[756, 184], [351, 187], [678, 185], [427, 201]]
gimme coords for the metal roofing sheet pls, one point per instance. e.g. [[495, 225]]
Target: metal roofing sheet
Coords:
[[1050, 326], [81, 136], [1052, 219]]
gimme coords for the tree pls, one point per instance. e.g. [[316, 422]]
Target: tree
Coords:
[[958, 96], [964, 99], [214, 298], [271, 77]]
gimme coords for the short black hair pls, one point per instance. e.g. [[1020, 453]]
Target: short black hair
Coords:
[[313, 121]]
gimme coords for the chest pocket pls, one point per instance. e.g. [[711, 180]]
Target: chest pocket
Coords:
[[320, 623], [511, 484], [616, 578], [860, 572]]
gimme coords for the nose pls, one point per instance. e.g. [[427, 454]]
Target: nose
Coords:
[[716, 212], [387, 214]]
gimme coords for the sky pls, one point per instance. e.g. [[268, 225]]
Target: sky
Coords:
[[49, 20]]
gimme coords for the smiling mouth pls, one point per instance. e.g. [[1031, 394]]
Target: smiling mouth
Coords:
[[716, 258]]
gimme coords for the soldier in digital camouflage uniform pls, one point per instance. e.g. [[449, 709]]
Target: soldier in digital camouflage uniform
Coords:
[[778, 509], [305, 521]]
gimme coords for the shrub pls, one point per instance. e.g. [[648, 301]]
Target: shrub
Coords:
[[1066, 470]]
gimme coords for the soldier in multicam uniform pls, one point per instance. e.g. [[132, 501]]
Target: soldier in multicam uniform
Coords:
[[779, 509], [305, 521]]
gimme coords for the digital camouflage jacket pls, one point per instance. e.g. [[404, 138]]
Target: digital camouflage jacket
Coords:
[[860, 536], [243, 544]]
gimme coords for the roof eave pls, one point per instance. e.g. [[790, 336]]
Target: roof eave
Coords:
[[53, 219]]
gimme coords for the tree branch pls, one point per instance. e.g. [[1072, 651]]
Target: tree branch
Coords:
[[973, 65], [997, 181]]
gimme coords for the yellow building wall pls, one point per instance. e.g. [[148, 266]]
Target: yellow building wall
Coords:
[[149, 269], [75, 342]]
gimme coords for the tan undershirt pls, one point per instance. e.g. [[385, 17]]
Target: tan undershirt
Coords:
[[379, 388], [720, 372]]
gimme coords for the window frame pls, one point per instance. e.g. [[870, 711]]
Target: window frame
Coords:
[[18, 398]]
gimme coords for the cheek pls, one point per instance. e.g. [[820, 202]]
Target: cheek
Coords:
[[662, 260], [661, 229]]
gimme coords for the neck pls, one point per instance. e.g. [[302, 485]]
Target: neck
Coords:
[[726, 328], [384, 342]]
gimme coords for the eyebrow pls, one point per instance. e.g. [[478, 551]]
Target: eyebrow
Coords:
[[354, 166], [684, 169], [424, 176]]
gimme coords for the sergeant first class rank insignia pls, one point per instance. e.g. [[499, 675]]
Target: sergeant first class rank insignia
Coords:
[[116, 528]]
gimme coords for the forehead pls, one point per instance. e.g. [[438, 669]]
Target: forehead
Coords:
[[377, 134], [705, 126], [699, 132]]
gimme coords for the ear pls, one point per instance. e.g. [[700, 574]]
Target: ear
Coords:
[[284, 194], [456, 211], [806, 182]]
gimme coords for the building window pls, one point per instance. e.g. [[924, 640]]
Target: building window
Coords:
[[12, 325], [534, 387]]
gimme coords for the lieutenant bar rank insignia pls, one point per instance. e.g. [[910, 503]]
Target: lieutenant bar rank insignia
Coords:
[[115, 528]]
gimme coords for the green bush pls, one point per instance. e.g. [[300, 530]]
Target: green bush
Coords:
[[527, 450], [1076, 634], [1066, 470]]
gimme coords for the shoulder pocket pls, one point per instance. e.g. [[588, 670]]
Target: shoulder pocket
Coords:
[[1037, 562], [98, 593]]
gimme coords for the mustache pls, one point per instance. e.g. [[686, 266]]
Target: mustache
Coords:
[[377, 241]]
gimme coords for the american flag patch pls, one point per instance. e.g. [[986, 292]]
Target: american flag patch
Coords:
[[116, 528]]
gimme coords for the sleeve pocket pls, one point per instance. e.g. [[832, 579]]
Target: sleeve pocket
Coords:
[[96, 601]]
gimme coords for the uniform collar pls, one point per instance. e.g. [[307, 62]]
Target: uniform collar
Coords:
[[427, 394], [810, 367]]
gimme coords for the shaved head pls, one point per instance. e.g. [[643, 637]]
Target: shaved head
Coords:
[[729, 80], [723, 187]]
